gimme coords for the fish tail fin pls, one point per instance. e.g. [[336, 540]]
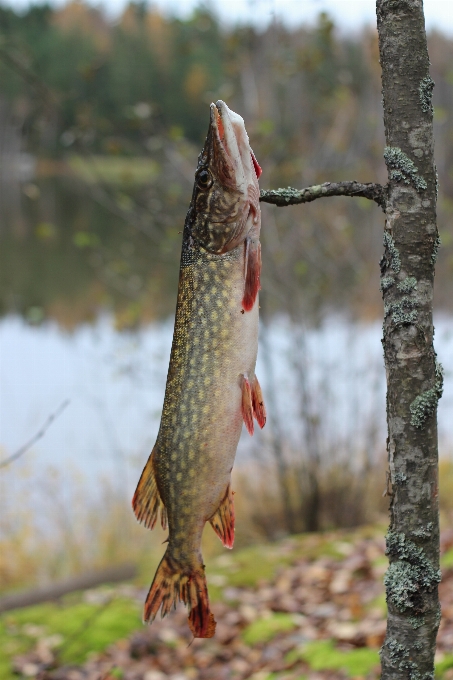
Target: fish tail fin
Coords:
[[259, 409], [175, 583], [252, 274], [222, 520], [147, 502]]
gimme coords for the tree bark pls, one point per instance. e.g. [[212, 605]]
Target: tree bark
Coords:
[[414, 379]]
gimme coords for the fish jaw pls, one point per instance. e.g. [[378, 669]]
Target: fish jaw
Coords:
[[232, 139], [225, 203]]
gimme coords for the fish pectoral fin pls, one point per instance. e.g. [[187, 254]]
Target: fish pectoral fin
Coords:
[[175, 582], [247, 404], [259, 409], [222, 520], [147, 501], [252, 272]]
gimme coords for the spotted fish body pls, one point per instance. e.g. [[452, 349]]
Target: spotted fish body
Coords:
[[211, 385]]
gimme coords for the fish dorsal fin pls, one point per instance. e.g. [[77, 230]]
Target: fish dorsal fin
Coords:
[[222, 520], [147, 501]]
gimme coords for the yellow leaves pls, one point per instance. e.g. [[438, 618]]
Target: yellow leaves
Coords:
[[196, 81]]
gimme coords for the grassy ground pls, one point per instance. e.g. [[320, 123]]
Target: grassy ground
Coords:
[[310, 606]]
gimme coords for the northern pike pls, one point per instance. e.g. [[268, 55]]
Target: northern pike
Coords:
[[211, 384]]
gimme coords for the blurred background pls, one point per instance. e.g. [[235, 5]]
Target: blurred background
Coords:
[[102, 115]]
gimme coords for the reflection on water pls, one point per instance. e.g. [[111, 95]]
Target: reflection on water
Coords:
[[75, 248], [115, 383]]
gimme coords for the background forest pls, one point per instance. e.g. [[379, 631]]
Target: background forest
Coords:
[[101, 123]]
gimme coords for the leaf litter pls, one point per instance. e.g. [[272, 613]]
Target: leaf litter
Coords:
[[320, 615]]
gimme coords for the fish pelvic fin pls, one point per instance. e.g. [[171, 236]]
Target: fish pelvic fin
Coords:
[[222, 520], [252, 273], [247, 404], [147, 502], [259, 409], [252, 403], [175, 583]]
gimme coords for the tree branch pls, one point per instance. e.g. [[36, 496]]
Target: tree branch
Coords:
[[36, 437], [290, 196]]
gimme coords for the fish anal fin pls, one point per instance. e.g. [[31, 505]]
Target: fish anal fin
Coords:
[[247, 405], [259, 409], [252, 273], [147, 502], [222, 521], [175, 583]]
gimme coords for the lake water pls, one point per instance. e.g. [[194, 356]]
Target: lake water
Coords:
[[115, 386]]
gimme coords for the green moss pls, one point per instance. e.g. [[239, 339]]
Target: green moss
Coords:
[[407, 284], [446, 561], [395, 260], [402, 169], [425, 91], [444, 665], [263, 630], [84, 627], [323, 655], [425, 404]]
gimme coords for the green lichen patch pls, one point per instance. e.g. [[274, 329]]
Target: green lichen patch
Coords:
[[417, 621], [322, 655], [423, 532], [402, 169], [395, 260], [400, 659], [386, 283], [400, 478], [425, 404], [437, 244], [403, 311], [407, 284], [410, 575], [425, 91]]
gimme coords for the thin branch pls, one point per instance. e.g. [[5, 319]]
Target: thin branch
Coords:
[[290, 196], [37, 436]]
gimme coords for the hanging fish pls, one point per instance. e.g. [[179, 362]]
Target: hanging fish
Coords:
[[211, 384]]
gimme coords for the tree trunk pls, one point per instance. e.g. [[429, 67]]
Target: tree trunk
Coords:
[[414, 379]]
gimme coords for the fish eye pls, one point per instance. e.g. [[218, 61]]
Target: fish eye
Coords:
[[204, 179]]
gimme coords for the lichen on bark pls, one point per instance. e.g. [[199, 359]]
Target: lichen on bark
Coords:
[[410, 239], [425, 404]]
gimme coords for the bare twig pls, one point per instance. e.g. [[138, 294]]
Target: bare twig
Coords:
[[290, 196], [36, 437], [118, 574]]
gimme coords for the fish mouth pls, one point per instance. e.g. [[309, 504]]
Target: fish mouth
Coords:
[[233, 145]]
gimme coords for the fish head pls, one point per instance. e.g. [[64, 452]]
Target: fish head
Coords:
[[225, 203]]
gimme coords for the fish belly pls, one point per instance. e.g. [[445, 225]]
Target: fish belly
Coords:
[[214, 347]]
